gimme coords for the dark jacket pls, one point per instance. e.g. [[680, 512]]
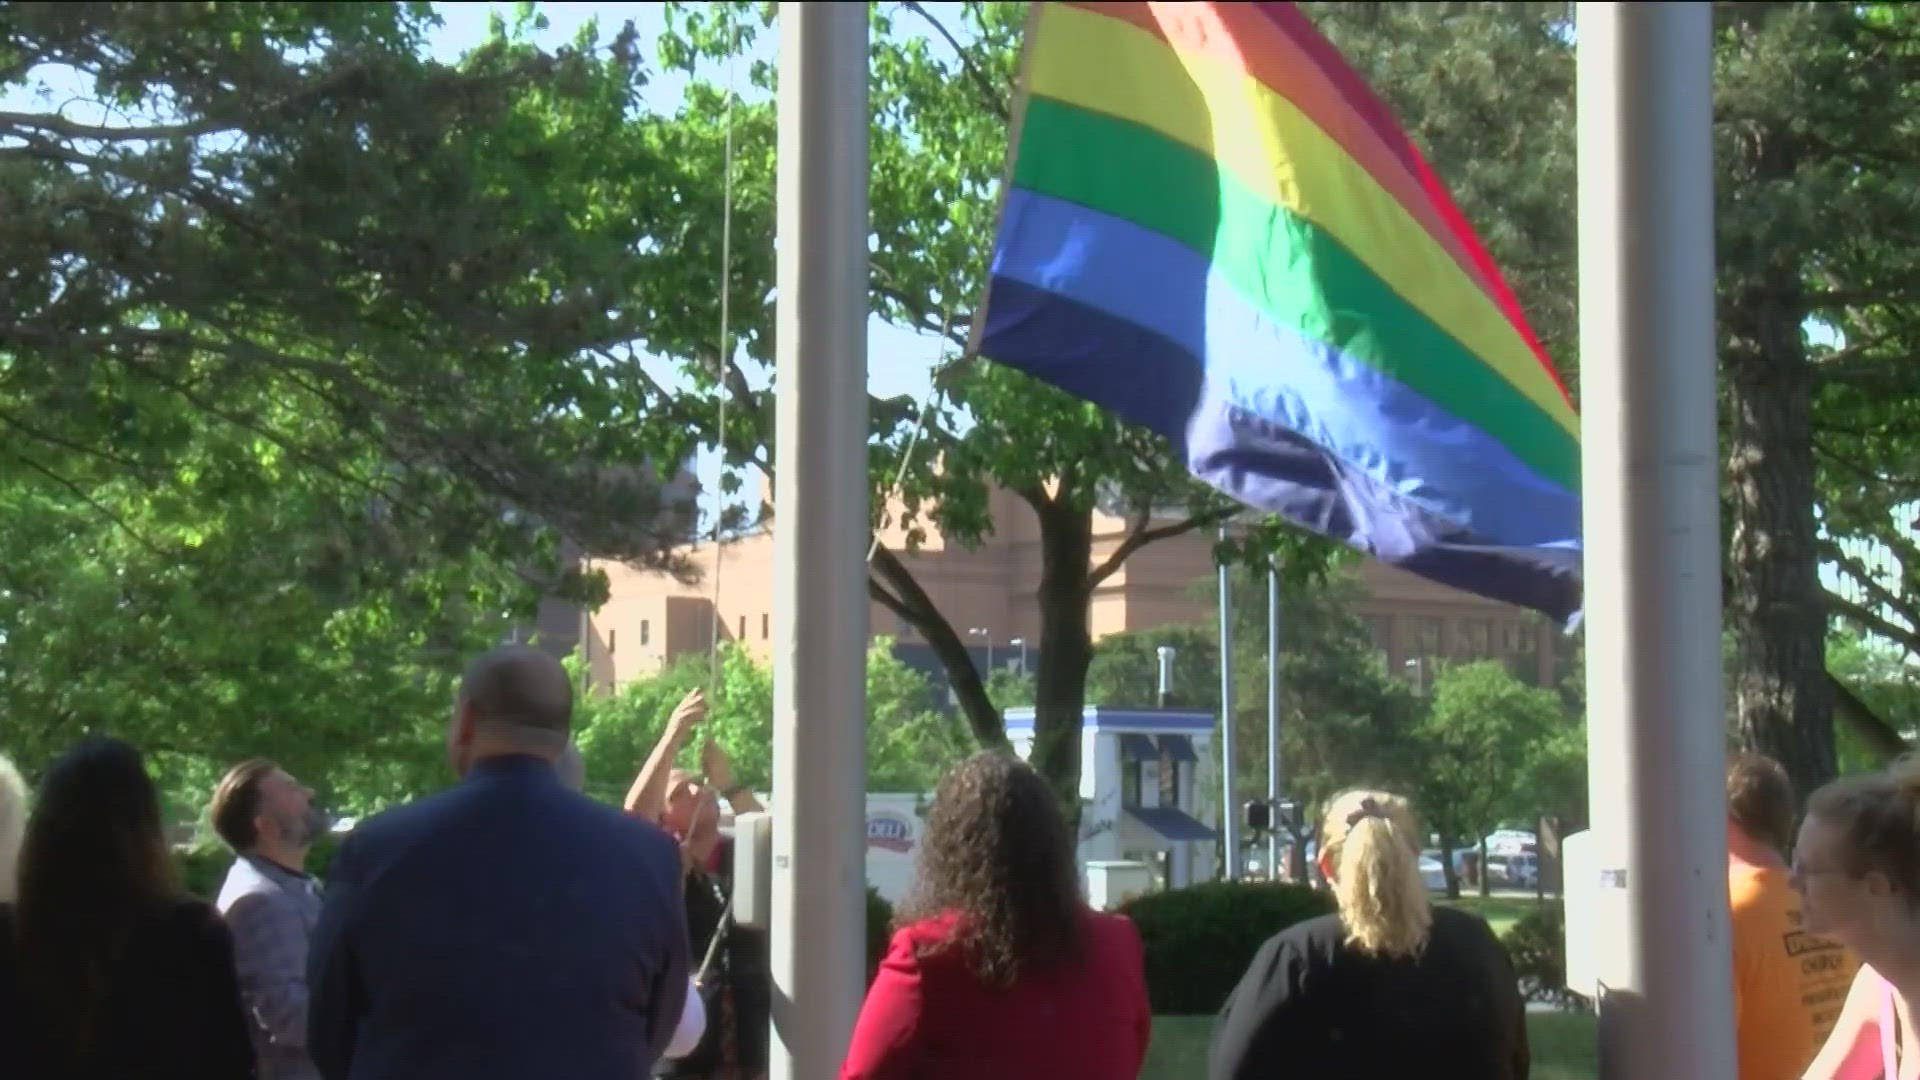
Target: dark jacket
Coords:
[[1311, 1005], [172, 1009], [506, 929]]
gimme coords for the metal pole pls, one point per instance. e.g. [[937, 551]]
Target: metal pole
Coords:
[[1229, 824], [1273, 720], [820, 580], [1652, 539], [1164, 654]]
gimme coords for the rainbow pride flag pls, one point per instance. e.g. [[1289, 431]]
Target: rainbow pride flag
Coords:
[[1213, 228]]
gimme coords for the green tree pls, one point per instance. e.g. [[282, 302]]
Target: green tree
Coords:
[[938, 147], [1818, 173], [1885, 680], [1487, 744], [1343, 719], [1125, 670], [298, 400], [909, 743]]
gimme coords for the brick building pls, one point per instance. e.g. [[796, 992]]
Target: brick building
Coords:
[[987, 593]]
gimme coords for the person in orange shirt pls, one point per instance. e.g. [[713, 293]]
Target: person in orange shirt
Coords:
[[1788, 985]]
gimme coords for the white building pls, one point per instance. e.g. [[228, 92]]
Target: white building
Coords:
[[1145, 780]]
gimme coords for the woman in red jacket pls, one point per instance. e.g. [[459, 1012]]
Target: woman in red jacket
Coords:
[[999, 969]]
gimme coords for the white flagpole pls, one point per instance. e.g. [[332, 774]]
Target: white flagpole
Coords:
[[1231, 861], [820, 586], [1650, 482]]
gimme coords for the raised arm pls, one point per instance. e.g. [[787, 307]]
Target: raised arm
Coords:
[[647, 798], [719, 769]]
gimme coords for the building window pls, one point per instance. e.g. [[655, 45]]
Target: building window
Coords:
[[766, 626], [1426, 637], [1380, 629], [1130, 776], [645, 632], [610, 640], [1169, 779], [1520, 639], [1474, 640], [741, 633]]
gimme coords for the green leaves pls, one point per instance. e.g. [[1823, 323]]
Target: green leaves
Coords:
[[909, 744], [1494, 749], [299, 383]]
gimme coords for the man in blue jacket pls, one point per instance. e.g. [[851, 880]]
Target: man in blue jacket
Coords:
[[507, 928]]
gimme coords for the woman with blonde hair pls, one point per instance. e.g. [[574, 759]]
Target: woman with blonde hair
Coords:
[[1386, 987], [1857, 867]]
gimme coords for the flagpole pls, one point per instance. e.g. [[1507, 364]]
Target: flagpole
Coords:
[[820, 586], [1273, 722], [1229, 823], [1652, 539]]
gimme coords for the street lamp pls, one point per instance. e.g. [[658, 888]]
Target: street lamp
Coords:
[[1021, 644], [983, 632]]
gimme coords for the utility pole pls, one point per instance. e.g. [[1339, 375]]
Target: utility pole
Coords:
[[1650, 484]]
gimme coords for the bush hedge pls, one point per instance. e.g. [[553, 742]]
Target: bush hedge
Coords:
[[1199, 940], [879, 931], [1537, 945]]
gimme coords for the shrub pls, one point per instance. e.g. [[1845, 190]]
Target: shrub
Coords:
[[201, 869], [1199, 940], [1537, 944], [879, 930]]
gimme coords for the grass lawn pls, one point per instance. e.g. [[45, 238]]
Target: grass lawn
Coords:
[[1562, 1045], [1501, 912]]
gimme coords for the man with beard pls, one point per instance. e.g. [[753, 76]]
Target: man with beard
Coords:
[[271, 903]]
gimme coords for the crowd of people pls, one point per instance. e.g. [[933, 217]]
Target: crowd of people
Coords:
[[512, 927]]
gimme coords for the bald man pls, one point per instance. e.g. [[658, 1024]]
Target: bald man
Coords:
[[508, 927]]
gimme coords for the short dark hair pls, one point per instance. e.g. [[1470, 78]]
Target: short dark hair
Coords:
[[521, 687], [1760, 799], [236, 803]]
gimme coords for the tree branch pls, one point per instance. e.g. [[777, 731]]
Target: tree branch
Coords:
[[1140, 537], [72, 129], [1867, 620], [1879, 735], [989, 96], [1885, 597], [915, 606], [94, 504], [137, 468]]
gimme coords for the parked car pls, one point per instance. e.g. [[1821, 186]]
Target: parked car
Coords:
[[1521, 871], [1432, 873]]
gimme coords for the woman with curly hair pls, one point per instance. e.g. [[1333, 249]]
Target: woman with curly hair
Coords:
[[999, 969]]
